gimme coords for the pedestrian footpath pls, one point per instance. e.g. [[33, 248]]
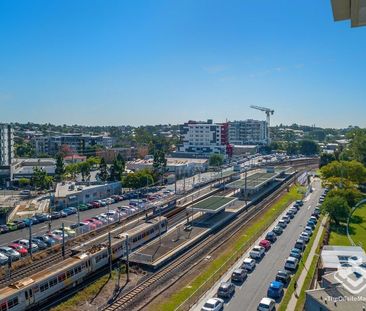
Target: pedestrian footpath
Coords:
[[300, 282]]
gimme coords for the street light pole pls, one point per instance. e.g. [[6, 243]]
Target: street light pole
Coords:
[[127, 262]]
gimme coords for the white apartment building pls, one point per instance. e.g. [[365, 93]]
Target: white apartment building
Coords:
[[201, 138], [248, 132], [6, 145]]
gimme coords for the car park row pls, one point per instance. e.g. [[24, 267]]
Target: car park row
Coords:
[[276, 288], [22, 247]]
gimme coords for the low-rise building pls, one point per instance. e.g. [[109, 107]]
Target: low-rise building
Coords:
[[178, 166], [24, 168], [72, 194]]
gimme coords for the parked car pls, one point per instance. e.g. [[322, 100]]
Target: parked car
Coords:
[[308, 230], [41, 245], [73, 209], [282, 223], [83, 207], [42, 217], [3, 259], [55, 215], [94, 221], [4, 229], [28, 222], [34, 220], [283, 276], [278, 230], [60, 233], [68, 211], [311, 224], [62, 214], [300, 202], [275, 290], [290, 214], [226, 290], [293, 210], [300, 244], [271, 236], [70, 232], [291, 263], [100, 218], [257, 252], [19, 248], [287, 219], [81, 227], [12, 226], [55, 237], [266, 304], [46, 239], [239, 275], [314, 219], [248, 264], [96, 204], [296, 254], [213, 304], [25, 243], [20, 224], [10, 252], [266, 244], [304, 236]]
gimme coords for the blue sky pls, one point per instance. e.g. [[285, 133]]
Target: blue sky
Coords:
[[149, 62]]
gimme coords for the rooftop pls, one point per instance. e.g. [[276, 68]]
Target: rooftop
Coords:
[[332, 257], [213, 204]]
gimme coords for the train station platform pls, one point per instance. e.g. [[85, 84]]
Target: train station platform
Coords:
[[178, 239], [213, 204]]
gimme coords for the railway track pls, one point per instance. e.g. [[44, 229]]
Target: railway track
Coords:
[[190, 258]]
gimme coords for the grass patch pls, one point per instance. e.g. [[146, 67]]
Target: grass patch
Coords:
[[84, 295], [309, 277], [338, 234], [290, 289], [232, 250]]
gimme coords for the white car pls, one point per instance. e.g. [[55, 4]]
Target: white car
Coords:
[[257, 252], [213, 304], [60, 232], [266, 304], [291, 263], [248, 264], [25, 243], [304, 236], [308, 230]]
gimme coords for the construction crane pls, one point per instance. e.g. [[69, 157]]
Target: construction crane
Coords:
[[268, 112]]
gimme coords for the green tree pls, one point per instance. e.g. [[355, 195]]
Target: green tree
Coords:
[[308, 147], [24, 182], [292, 148], [352, 195], [216, 160], [103, 170], [40, 178], [60, 168], [84, 168], [138, 179], [159, 163], [336, 207], [326, 158], [71, 170], [358, 144], [352, 171], [117, 169]]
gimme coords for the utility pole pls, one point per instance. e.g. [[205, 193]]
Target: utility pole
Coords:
[[127, 261], [63, 240], [30, 239], [110, 253]]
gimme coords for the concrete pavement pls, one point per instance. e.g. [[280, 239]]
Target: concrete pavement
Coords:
[[300, 282]]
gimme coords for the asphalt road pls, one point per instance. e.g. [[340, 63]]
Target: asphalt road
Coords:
[[254, 288]]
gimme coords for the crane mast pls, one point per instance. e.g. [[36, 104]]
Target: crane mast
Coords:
[[268, 113]]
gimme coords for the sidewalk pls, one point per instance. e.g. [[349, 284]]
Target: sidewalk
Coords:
[[300, 282]]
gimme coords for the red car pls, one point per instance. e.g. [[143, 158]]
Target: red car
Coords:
[[19, 248], [96, 222], [266, 244], [91, 224], [95, 204]]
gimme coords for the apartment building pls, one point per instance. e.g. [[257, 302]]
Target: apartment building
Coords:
[[247, 132], [77, 142], [6, 152], [201, 138]]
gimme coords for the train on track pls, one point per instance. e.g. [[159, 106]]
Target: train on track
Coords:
[[30, 292]]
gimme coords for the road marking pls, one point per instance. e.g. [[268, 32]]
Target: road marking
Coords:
[[309, 207]]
